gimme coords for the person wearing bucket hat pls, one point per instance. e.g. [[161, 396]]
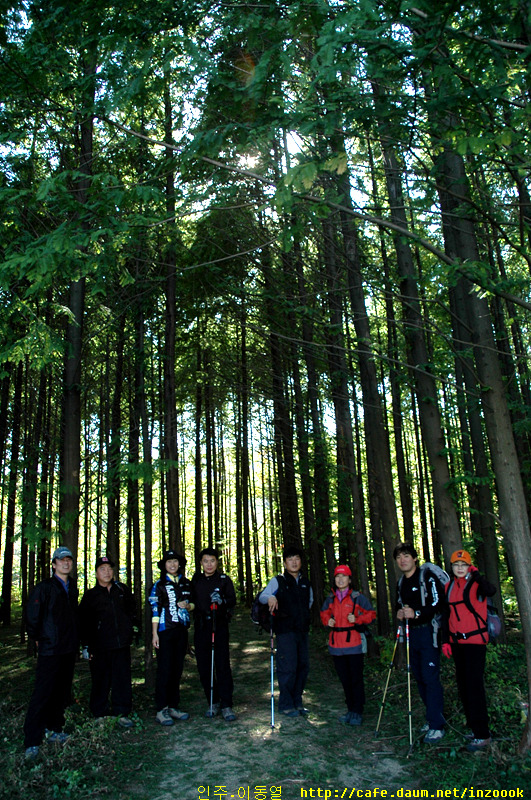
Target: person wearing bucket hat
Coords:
[[107, 620], [170, 609], [465, 638], [51, 617], [346, 613]]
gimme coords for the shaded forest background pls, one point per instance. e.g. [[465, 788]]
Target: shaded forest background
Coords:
[[265, 280]]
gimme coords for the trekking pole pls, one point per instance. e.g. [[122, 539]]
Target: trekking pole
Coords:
[[272, 673], [213, 608], [376, 732], [409, 690]]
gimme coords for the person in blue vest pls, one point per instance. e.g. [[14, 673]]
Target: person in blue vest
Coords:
[[170, 600], [466, 637], [289, 598], [419, 604], [52, 623], [107, 619]]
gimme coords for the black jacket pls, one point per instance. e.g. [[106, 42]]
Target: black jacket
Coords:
[[202, 588], [293, 614], [408, 593], [107, 617], [52, 617]]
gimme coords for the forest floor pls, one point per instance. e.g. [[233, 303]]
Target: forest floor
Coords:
[[216, 760]]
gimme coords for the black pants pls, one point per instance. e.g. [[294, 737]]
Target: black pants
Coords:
[[51, 695], [111, 674], [223, 683], [350, 671], [173, 644], [293, 666], [469, 660]]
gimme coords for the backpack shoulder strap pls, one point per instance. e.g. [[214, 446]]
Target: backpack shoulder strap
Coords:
[[422, 583]]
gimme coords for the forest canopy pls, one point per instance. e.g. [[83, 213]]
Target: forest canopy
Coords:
[[265, 280]]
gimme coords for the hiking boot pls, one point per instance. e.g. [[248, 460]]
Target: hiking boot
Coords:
[[434, 735], [125, 722], [355, 718], [31, 753], [163, 717], [478, 744], [468, 736], [176, 714], [58, 737], [228, 714], [345, 718], [290, 712], [303, 711], [214, 712]]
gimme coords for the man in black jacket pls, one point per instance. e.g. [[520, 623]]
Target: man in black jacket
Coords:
[[107, 619], [420, 598], [214, 599], [51, 622]]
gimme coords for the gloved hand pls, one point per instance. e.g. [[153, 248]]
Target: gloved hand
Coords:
[[216, 598], [447, 650], [473, 572]]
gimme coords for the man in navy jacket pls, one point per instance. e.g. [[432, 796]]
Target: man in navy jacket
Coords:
[[51, 622]]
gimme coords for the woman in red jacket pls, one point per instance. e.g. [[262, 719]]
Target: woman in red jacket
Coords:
[[467, 639], [345, 612]]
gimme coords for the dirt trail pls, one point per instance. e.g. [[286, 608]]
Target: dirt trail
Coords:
[[302, 753]]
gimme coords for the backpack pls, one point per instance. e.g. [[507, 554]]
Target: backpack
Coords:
[[444, 578], [260, 614], [492, 625]]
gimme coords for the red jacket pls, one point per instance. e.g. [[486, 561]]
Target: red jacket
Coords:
[[344, 642], [468, 626]]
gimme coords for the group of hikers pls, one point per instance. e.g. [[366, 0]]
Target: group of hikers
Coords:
[[104, 623]]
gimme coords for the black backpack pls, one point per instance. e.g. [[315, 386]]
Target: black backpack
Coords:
[[260, 614]]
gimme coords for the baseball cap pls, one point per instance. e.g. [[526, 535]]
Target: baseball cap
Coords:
[[342, 569], [104, 560], [62, 552], [461, 555]]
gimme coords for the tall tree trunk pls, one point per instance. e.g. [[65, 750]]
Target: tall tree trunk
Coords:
[[425, 386], [114, 453], [170, 403], [349, 508], [7, 573], [71, 424]]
